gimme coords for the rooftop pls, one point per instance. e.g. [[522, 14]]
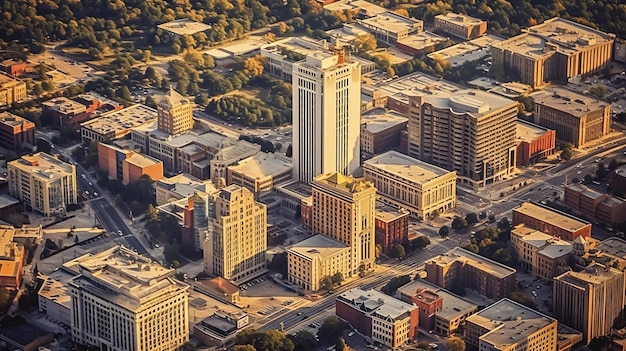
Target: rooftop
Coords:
[[548, 245], [140, 160], [318, 246], [453, 307], [379, 119], [613, 246], [43, 166], [377, 303], [552, 217], [577, 105], [262, 165], [467, 51], [527, 131], [119, 123], [64, 105], [403, 166], [421, 40], [459, 19], [365, 7], [400, 88], [173, 99], [391, 22], [23, 334], [11, 120], [511, 90], [592, 275], [6, 201], [473, 102], [387, 213], [343, 183], [467, 257], [509, 322], [55, 290], [184, 26]]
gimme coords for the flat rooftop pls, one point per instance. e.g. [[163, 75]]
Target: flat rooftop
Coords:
[[511, 90], [391, 22], [11, 120], [408, 168], [64, 105], [473, 102], [577, 105], [262, 165], [56, 291], [594, 275], [140, 160], [453, 306], [378, 119], [43, 166], [342, 182], [509, 322], [527, 131], [318, 246], [468, 51], [422, 40], [467, 257], [380, 304], [552, 217], [120, 122], [296, 188], [613, 246], [387, 213], [6, 200], [400, 88], [459, 19], [184, 26], [365, 7]]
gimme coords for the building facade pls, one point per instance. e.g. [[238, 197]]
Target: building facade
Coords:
[[471, 132], [380, 317], [12, 256], [117, 124], [127, 166], [259, 173], [62, 111], [122, 301], [43, 183], [389, 27], [380, 131], [467, 269], [16, 132], [343, 209], [236, 248], [603, 208], [326, 114], [591, 301], [460, 25], [416, 186], [578, 119], [11, 90], [550, 221], [392, 226], [542, 254], [175, 113], [13, 67], [533, 142]]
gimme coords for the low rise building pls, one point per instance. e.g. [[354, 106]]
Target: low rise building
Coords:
[[62, 111], [11, 259], [16, 133], [43, 183], [127, 166], [389, 27], [11, 90], [380, 131], [418, 42], [616, 180], [310, 260], [382, 318], [603, 208], [13, 67], [469, 51], [183, 26], [180, 186], [550, 221], [55, 301], [461, 25], [508, 325], [578, 119], [392, 226], [469, 270], [117, 124], [542, 254], [416, 186], [533, 143], [260, 173], [25, 337], [220, 327]]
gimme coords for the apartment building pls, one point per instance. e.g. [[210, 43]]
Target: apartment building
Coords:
[[460, 25], [554, 51], [343, 210], [508, 325], [122, 301], [236, 248], [465, 268], [16, 132], [591, 301], [392, 226], [550, 221], [604, 208], [439, 310], [12, 256], [416, 186], [43, 183], [389, 27], [127, 166], [380, 131], [259, 173], [312, 259], [380, 317], [175, 112], [533, 143], [542, 254], [11, 90], [117, 124], [578, 119], [471, 132]]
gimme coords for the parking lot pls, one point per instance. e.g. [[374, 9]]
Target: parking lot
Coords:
[[537, 290]]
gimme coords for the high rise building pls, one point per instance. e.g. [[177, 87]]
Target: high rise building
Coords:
[[326, 115], [175, 113], [343, 209], [591, 301], [235, 249], [470, 131], [122, 301], [43, 183]]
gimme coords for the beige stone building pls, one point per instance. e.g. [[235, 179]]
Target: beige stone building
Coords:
[[554, 51], [343, 209], [314, 258], [416, 186], [576, 118], [460, 25], [508, 325], [175, 113], [259, 173], [470, 131], [11, 90], [236, 248], [591, 301], [542, 254], [380, 131], [43, 183]]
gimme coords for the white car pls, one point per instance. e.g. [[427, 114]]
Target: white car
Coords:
[[119, 232], [351, 333]]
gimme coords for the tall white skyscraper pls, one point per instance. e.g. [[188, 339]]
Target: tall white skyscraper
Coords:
[[326, 115]]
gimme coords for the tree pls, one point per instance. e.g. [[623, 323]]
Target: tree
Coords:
[[435, 214], [326, 283], [246, 347], [304, 340], [588, 179], [444, 231], [393, 284], [455, 344], [175, 264], [43, 145], [340, 345], [279, 264], [337, 278], [331, 329], [471, 218], [271, 340], [601, 171], [364, 43], [459, 223], [398, 251], [420, 242], [522, 299], [598, 91]]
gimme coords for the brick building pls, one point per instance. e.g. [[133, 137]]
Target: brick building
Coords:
[[533, 142], [126, 165], [551, 221], [603, 208], [392, 226], [16, 132], [64, 111], [13, 67]]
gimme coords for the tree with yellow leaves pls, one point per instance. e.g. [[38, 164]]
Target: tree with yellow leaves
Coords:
[[253, 66]]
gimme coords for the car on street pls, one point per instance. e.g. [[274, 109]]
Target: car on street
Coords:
[[300, 313], [119, 232], [351, 333]]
